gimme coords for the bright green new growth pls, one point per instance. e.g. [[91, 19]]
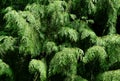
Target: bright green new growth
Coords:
[[5, 70], [69, 33], [113, 75], [6, 44], [65, 62], [96, 53], [28, 36], [38, 66]]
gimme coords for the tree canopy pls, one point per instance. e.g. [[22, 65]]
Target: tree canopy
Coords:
[[59, 40]]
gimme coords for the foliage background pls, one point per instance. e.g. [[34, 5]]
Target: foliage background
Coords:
[[59, 40]]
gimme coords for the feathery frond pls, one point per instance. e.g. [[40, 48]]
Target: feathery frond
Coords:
[[31, 20], [113, 75], [28, 35], [111, 44], [50, 47], [69, 33], [65, 62], [6, 44], [6, 70], [36, 9], [38, 66], [59, 17], [86, 32], [112, 15], [96, 53], [56, 5]]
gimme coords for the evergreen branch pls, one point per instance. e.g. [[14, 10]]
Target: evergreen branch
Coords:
[[65, 62], [38, 66], [70, 33], [96, 53], [111, 43], [6, 44], [109, 76], [6, 70], [27, 34], [50, 47]]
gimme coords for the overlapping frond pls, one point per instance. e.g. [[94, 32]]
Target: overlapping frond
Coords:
[[6, 71], [96, 53], [28, 36], [37, 10], [55, 30], [38, 66], [50, 47], [56, 5], [31, 20], [112, 15], [65, 62], [111, 44], [58, 14], [86, 32], [6, 44], [104, 41], [69, 33], [113, 75]]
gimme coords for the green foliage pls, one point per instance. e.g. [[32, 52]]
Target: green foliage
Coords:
[[36, 9], [46, 37], [50, 47], [57, 5], [5, 70], [109, 76], [65, 62], [59, 17], [86, 32], [111, 44], [38, 66], [37, 12], [96, 53], [31, 20], [112, 15], [28, 35], [6, 44], [68, 33], [75, 78], [90, 6]]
